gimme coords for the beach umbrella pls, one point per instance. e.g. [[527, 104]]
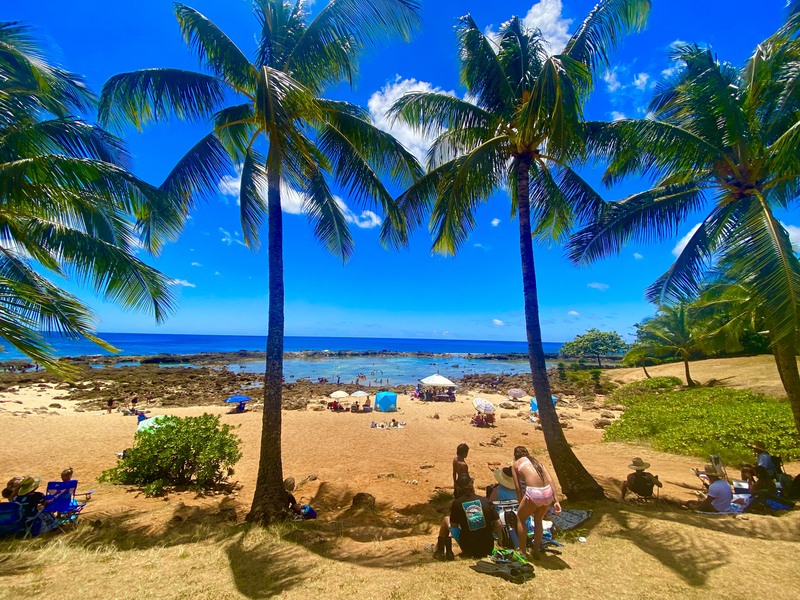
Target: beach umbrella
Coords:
[[437, 381], [359, 394], [237, 399], [535, 406], [483, 406], [150, 423], [516, 393], [339, 394]]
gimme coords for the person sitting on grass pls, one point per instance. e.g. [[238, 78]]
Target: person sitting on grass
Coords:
[[719, 495], [763, 460], [472, 522], [10, 491], [640, 481]]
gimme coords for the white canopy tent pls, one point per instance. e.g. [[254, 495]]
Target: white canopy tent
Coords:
[[437, 381]]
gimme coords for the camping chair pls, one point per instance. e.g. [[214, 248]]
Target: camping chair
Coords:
[[716, 465], [783, 481], [63, 505], [644, 490], [11, 518]]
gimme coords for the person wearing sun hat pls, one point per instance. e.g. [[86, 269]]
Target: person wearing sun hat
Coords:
[[28, 497], [763, 460], [504, 488], [640, 481]]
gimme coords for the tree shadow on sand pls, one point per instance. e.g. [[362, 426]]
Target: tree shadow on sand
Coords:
[[661, 531]]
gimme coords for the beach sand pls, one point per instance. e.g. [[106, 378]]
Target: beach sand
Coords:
[[380, 553]]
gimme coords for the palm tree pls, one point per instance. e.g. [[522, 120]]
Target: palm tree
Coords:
[[268, 116], [671, 333], [727, 137], [520, 128], [68, 206]]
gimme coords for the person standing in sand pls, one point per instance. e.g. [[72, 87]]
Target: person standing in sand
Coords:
[[460, 466], [536, 494]]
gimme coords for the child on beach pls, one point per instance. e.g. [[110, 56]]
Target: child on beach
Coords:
[[460, 466]]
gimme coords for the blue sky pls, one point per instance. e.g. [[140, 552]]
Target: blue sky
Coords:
[[222, 285]]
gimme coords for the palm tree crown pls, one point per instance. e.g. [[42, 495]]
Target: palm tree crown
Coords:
[[67, 204]]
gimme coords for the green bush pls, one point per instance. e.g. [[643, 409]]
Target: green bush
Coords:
[[191, 451], [646, 388], [707, 421]]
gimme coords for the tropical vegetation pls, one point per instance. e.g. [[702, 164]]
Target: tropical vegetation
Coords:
[[724, 140], [704, 421], [196, 452], [520, 128], [267, 116], [594, 343], [68, 207]]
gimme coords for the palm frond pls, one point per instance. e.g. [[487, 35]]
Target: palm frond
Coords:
[[215, 50], [328, 49], [653, 214], [252, 205], [325, 214], [154, 95], [604, 27]]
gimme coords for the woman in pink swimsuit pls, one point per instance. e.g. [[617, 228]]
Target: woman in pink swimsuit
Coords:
[[536, 494]]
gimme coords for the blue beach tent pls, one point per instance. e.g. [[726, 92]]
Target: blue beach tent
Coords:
[[535, 406], [386, 402]]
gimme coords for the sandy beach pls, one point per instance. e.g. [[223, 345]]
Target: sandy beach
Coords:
[[381, 550]]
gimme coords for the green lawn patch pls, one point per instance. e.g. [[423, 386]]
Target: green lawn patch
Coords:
[[705, 421]]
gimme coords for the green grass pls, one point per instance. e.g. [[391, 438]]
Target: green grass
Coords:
[[705, 421]]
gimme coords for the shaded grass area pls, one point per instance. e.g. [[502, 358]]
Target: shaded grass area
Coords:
[[633, 551], [705, 421]]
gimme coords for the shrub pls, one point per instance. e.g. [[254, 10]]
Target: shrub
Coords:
[[707, 421], [646, 388], [191, 451]]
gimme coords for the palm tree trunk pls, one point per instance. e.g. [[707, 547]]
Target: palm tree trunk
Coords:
[[646, 374], [689, 381], [270, 502], [576, 482], [786, 361]]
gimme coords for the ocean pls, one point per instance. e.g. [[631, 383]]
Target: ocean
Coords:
[[397, 370]]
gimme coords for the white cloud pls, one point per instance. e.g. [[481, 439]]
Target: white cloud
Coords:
[[495, 222], [291, 200], [612, 81], [546, 16], [497, 323], [676, 251], [601, 287], [617, 116], [228, 239], [640, 81], [196, 264], [794, 235], [366, 220], [216, 273], [637, 256], [675, 44], [481, 247], [380, 102], [182, 283], [574, 313]]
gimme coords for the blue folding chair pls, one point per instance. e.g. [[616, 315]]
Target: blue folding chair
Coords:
[[62, 503], [12, 519]]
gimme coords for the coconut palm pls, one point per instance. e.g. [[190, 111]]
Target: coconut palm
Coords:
[[520, 128], [671, 333], [267, 116], [68, 206], [726, 141]]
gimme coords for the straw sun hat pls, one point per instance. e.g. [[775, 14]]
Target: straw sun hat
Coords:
[[758, 446], [637, 464], [504, 477], [27, 485]]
